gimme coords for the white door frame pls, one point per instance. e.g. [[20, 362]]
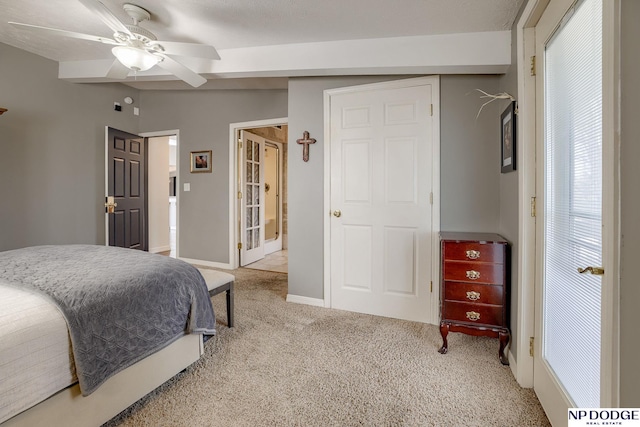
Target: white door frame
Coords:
[[234, 209], [269, 245], [523, 370], [434, 81], [175, 132]]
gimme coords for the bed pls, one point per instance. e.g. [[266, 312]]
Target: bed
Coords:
[[85, 330]]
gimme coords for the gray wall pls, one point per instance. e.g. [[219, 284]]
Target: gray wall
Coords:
[[52, 145], [203, 118], [469, 177], [630, 206], [470, 155], [306, 181]]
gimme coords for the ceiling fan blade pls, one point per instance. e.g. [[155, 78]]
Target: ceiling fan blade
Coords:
[[107, 16], [189, 49], [182, 72], [65, 33], [117, 71]]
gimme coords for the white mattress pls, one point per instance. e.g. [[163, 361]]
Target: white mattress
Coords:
[[35, 351]]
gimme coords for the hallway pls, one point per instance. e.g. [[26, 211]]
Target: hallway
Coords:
[[276, 261]]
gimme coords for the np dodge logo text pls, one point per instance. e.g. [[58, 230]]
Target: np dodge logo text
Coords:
[[604, 415]]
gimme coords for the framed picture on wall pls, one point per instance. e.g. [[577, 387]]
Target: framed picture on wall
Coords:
[[201, 161], [508, 139]]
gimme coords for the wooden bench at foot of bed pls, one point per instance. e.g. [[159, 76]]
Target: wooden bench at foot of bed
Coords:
[[218, 282]]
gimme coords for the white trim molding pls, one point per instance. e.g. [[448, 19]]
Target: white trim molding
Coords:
[[523, 370], [611, 98], [203, 263], [298, 299]]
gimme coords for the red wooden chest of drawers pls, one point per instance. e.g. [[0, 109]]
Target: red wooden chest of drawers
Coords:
[[475, 287]]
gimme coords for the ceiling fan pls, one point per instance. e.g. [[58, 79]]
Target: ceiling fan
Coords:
[[135, 48]]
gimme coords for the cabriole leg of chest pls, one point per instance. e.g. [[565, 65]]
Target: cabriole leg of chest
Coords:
[[505, 337], [444, 331]]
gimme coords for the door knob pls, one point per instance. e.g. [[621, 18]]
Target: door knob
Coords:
[[337, 213], [596, 271]]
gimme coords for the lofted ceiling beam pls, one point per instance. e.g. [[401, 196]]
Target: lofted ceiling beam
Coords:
[[467, 53]]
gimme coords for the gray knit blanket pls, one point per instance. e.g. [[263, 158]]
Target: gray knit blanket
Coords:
[[121, 305]]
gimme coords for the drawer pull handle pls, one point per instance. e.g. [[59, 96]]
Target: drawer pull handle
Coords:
[[473, 275], [473, 295], [471, 254], [473, 316]]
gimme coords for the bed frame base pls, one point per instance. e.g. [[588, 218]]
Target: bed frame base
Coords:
[[69, 407]]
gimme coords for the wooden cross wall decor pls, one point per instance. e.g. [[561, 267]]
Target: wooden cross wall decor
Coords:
[[305, 140]]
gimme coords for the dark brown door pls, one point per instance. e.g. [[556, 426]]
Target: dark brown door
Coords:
[[127, 175]]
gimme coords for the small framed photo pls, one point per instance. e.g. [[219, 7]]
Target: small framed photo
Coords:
[[508, 139], [201, 161]]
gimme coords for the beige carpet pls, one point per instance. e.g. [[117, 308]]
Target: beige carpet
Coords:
[[288, 364]]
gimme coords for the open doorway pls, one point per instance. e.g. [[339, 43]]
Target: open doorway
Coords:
[[162, 192], [273, 194], [261, 187]]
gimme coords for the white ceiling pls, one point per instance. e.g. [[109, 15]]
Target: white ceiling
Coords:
[[246, 32]]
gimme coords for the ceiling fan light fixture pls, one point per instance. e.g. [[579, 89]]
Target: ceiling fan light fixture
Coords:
[[134, 58]]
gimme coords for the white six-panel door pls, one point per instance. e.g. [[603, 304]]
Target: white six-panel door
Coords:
[[381, 185]]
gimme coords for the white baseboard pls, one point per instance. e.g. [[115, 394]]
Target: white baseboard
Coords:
[[213, 264], [524, 379], [513, 365], [159, 249], [317, 302]]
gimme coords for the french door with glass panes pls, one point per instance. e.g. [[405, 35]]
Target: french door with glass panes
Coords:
[[567, 360], [252, 201]]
